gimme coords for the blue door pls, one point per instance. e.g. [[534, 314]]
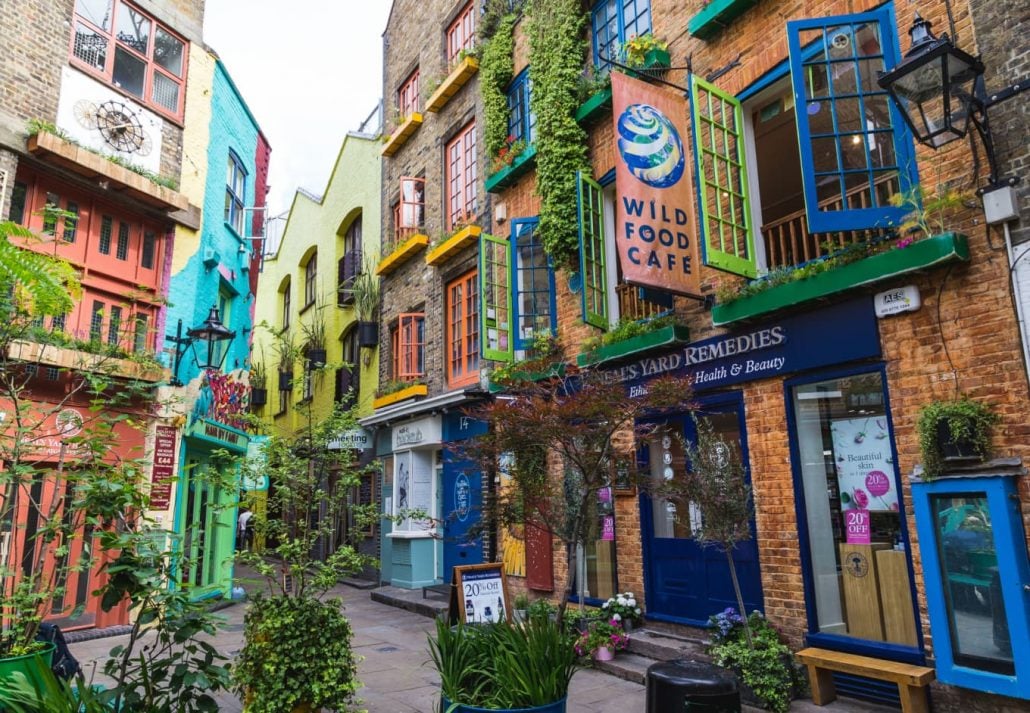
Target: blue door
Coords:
[[462, 506], [686, 581]]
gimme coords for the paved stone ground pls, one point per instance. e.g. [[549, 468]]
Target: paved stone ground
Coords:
[[396, 671]]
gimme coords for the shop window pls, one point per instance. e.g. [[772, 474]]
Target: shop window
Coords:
[[413, 491], [349, 266], [824, 171], [854, 539], [408, 344], [521, 119], [460, 163], [595, 561], [235, 192], [463, 330], [310, 281], [407, 96], [409, 210], [612, 22], [461, 34], [132, 52]]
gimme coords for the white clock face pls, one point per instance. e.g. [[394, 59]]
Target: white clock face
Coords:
[[117, 123], [666, 442], [667, 458]]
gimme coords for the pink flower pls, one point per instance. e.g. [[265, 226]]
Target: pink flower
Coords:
[[861, 499], [905, 242]]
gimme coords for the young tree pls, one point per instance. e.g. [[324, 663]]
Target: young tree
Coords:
[[562, 437]]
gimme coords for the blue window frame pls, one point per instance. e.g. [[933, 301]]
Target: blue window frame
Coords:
[[855, 149], [521, 119], [612, 22], [533, 282]]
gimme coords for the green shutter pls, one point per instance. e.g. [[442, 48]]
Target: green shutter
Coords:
[[729, 235], [495, 298], [592, 259]]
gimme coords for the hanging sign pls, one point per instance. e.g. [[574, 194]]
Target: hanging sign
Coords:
[[896, 301], [858, 531], [162, 473], [864, 463], [654, 214], [480, 593]]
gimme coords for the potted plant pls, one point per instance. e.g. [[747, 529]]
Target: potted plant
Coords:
[[602, 639], [953, 431], [503, 667], [623, 609], [314, 337], [258, 384], [366, 305], [521, 606], [646, 51]]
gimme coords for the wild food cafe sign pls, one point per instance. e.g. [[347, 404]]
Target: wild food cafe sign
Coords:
[[654, 214]]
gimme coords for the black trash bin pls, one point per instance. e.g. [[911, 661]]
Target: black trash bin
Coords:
[[674, 686]]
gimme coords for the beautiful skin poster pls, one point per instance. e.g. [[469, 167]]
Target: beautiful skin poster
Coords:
[[864, 463]]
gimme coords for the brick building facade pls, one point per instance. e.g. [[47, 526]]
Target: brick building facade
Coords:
[[803, 406]]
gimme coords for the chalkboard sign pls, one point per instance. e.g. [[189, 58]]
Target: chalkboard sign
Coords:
[[480, 594]]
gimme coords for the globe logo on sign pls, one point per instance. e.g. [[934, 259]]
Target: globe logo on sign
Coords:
[[650, 146], [462, 493]]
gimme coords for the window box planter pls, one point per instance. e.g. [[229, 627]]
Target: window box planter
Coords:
[[664, 337], [368, 334], [595, 107], [75, 359], [258, 397], [507, 175], [458, 77], [556, 707], [921, 255], [454, 244], [398, 396], [399, 137], [316, 358], [558, 369], [402, 254], [26, 668], [716, 15]]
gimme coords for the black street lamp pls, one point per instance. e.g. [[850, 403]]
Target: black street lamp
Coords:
[[939, 89], [212, 332]]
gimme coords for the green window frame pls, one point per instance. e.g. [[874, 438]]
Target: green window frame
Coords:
[[496, 318], [593, 262], [728, 230]]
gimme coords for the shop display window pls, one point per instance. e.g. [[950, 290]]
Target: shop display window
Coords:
[[597, 559], [856, 542]]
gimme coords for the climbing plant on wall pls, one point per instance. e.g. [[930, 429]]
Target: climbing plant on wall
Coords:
[[557, 50], [495, 71]]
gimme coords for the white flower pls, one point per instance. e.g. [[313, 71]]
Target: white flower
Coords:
[[631, 602], [637, 611], [605, 605], [621, 601], [617, 617]]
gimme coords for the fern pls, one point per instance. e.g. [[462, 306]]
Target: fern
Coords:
[[42, 284]]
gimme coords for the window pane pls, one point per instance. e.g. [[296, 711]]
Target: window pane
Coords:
[[972, 588], [130, 72], [114, 328], [133, 29], [168, 52], [97, 12], [165, 92], [668, 460], [859, 564], [104, 244], [90, 46], [122, 250], [599, 548]]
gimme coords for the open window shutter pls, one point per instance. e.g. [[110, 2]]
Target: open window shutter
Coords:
[[592, 258], [495, 298], [729, 235], [855, 149]]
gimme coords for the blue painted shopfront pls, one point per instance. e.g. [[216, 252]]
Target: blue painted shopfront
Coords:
[[462, 496]]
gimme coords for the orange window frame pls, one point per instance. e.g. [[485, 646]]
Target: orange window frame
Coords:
[[461, 34], [409, 211], [408, 346], [461, 175], [407, 95], [462, 330]]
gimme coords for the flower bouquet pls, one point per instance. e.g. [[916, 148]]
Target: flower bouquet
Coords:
[[623, 609], [602, 640]]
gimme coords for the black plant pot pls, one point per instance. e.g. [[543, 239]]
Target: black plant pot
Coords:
[[955, 448], [316, 357], [258, 397], [368, 334], [285, 381]]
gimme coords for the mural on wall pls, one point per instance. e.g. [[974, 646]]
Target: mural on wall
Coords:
[[222, 399]]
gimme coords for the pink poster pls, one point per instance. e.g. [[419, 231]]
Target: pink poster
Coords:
[[608, 528], [857, 524]]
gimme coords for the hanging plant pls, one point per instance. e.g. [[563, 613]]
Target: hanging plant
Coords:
[[495, 74], [557, 52]]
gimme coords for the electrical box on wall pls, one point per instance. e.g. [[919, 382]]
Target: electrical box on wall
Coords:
[[1000, 204]]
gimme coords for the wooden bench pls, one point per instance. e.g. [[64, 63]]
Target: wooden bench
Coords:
[[912, 680]]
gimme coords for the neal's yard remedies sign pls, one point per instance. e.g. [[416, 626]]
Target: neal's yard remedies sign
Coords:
[[654, 214]]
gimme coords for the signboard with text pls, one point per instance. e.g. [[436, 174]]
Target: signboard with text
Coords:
[[482, 594], [865, 467], [654, 213], [162, 473]]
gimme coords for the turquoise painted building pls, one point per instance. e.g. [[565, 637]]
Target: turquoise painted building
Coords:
[[214, 265]]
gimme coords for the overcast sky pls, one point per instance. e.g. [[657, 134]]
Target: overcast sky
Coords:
[[310, 71]]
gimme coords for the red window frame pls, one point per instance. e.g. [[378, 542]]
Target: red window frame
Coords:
[[407, 95], [408, 346], [409, 211], [461, 175], [152, 66], [461, 34], [462, 330]]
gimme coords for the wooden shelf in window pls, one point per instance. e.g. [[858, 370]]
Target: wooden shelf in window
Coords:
[[457, 79], [397, 396], [399, 137], [716, 15], [402, 254], [454, 244], [53, 149]]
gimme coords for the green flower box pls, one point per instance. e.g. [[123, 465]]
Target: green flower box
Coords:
[[924, 254], [664, 337], [716, 15], [507, 175], [595, 107], [557, 369]]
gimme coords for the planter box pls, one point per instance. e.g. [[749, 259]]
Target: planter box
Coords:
[[664, 337], [285, 381], [921, 255], [397, 396], [716, 15], [316, 357], [74, 359], [258, 397], [508, 175], [556, 707], [595, 107], [458, 77], [25, 668], [368, 334], [554, 370], [402, 254], [400, 137], [454, 244]]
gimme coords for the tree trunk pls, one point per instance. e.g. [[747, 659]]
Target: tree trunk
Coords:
[[736, 589]]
